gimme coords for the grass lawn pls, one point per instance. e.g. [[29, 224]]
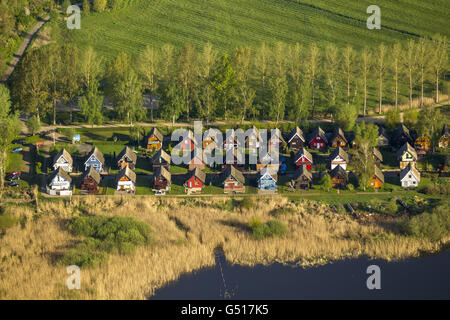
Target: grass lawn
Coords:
[[14, 161]]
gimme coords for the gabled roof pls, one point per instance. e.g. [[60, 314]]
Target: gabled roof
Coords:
[[318, 132], [128, 173], [197, 172], [276, 133], [379, 174], [338, 171], [402, 129], [191, 136], [97, 153], [161, 154], [406, 148], [60, 172], [339, 132], [232, 171], [339, 152], [268, 171], [377, 154], [65, 154], [303, 152], [296, 132], [254, 131], [409, 168], [162, 171], [302, 171], [198, 156], [129, 153], [93, 174], [155, 132]]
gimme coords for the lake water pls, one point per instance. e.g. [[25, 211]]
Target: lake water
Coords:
[[423, 278]]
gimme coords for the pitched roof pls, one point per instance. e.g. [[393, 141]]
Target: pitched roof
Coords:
[[338, 171], [406, 148], [276, 133], [198, 173], [269, 171], [93, 174], [304, 152], [402, 129], [379, 174], [339, 132], [318, 132], [162, 171], [60, 172], [155, 132], [409, 168], [296, 132], [161, 154], [129, 153], [339, 152], [64, 154], [232, 171], [97, 153], [377, 154], [254, 131], [128, 173], [302, 171]]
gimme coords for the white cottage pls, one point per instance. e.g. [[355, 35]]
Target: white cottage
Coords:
[[63, 160], [338, 158], [126, 180], [58, 183], [409, 176]]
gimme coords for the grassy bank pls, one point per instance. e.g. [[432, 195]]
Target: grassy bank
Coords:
[[185, 233]]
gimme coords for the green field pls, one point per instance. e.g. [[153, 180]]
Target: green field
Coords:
[[230, 23]]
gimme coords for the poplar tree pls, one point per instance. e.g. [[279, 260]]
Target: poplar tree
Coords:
[[312, 71], [381, 69], [147, 65], [395, 57], [439, 60], [366, 65], [409, 64]]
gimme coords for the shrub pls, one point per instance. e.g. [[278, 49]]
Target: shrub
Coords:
[[247, 203], [282, 211], [99, 5], [105, 235], [269, 229], [350, 187], [433, 225], [326, 182]]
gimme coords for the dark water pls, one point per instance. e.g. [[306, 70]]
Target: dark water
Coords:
[[423, 278]]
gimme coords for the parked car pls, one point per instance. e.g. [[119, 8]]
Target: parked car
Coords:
[[17, 149], [15, 175], [14, 183], [19, 141]]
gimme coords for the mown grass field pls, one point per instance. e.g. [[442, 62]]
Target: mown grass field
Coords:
[[231, 23]]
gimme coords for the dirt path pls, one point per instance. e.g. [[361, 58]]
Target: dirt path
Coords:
[[23, 46]]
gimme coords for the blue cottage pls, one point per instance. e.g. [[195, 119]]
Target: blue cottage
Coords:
[[95, 159], [267, 179]]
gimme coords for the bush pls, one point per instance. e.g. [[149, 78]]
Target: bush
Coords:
[[269, 229], [433, 225], [350, 187], [99, 5], [105, 235], [247, 203]]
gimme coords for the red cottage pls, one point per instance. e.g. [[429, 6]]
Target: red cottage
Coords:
[[317, 139], [195, 181], [304, 158], [90, 181]]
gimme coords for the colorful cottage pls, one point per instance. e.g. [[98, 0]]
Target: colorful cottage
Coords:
[[276, 140], [339, 177], [90, 181], [303, 158], [338, 158], [318, 139], [267, 161], [267, 180], [95, 159], [187, 142], [154, 140], [59, 183], [405, 155], [302, 178], [377, 157], [383, 137], [210, 140], [195, 181], [409, 176], [422, 145], [162, 179], [233, 180], [295, 139], [339, 139], [401, 136], [63, 160], [377, 179], [127, 158], [445, 137], [161, 158], [126, 180]]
